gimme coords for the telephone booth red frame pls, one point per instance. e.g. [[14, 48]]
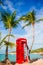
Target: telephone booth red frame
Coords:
[[20, 50]]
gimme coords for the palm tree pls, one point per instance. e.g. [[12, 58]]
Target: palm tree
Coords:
[[2, 40], [30, 19], [6, 43], [9, 44], [9, 21]]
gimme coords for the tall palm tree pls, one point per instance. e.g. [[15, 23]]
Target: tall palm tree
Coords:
[[9, 21], [3, 39], [6, 43], [9, 44], [30, 19]]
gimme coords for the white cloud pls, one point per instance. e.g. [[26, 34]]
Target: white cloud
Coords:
[[8, 5]]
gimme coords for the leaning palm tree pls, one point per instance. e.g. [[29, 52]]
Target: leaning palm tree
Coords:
[[29, 18], [3, 39], [9, 21], [9, 44], [32, 20]]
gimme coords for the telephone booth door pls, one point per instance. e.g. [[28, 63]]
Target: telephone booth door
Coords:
[[20, 50]]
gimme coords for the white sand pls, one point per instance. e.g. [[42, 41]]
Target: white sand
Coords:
[[38, 62]]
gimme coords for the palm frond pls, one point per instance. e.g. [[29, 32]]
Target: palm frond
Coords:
[[26, 24], [5, 38], [31, 16], [9, 19], [5, 18], [10, 44], [22, 18], [14, 23], [39, 20], [13, 16], [5, 15]]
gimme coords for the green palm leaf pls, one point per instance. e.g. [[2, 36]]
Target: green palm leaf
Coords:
[[5, 38], [13, 16], [26, 25], [39, 20], [22, 18], [10, 44], [9, 20]]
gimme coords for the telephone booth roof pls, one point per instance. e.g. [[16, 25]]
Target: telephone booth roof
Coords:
[[22, 39]]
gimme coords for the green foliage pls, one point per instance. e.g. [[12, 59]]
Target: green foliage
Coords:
[[39, 20], [5, 38], [22, 18], [9, 44], [37, 50], [9, 19], [29, 18]]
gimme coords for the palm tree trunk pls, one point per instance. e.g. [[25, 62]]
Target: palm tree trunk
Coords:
[[6, 56], [33, 37], [28, 52]]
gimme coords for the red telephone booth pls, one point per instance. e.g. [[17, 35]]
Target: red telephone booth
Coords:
[[20, 50]]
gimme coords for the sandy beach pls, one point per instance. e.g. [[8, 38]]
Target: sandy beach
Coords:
[[38, 62]]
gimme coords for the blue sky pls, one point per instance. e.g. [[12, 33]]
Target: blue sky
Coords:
[[22, 7]]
